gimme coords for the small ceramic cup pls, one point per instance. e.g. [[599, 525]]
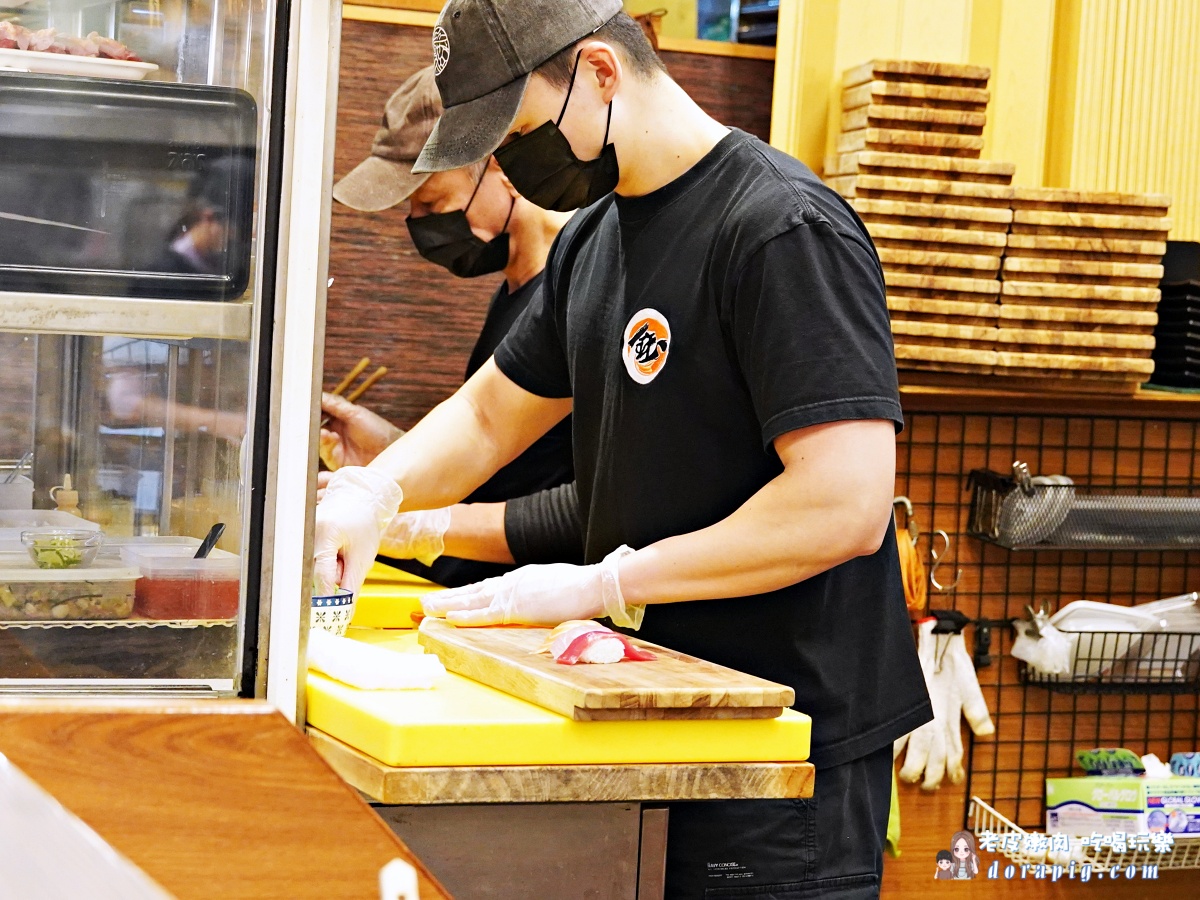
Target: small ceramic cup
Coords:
[[333, 613]]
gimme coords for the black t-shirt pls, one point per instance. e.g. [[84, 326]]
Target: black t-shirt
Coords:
[[546, 464], [692, 327]]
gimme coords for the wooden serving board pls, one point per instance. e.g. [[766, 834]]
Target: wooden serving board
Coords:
[[1082, 271], [915, 93], [914, 118], [672, 686], [886, 234], [922, 190], [938, 214], [1105, 202], [1113, 249], [916, 70], [942, 283], [1079, 292], [935, 262], [920, 165], [902, 140]]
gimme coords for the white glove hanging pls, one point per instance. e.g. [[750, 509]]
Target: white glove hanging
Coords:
[[936, 747]]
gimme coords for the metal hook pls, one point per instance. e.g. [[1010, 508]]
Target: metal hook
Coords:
[[937, 561], [913, 531]]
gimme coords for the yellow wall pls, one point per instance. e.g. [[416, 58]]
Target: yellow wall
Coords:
[[680, 20], [1088, 94]]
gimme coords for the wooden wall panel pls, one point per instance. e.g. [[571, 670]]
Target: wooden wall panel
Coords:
[[388, 303]]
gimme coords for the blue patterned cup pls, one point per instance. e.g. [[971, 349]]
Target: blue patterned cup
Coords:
[[333, 613]]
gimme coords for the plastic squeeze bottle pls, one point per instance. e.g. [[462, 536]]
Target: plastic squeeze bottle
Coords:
[[66, 498]]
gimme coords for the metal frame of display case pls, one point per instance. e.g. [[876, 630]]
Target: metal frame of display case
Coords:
[[290, 276]]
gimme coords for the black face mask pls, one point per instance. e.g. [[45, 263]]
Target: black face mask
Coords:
[[545, 170], [447, 239]]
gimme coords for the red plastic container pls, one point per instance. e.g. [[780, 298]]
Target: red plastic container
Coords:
[[176, 586]]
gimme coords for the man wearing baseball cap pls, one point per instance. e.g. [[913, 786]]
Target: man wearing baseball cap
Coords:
[[470, 221], [715, 319]]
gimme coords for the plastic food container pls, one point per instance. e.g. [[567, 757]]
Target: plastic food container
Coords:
[[62, 548], [176, 586], [102, 591], [13, 522]]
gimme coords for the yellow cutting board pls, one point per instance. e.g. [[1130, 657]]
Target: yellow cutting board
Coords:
[[672, 685], [463, 723], [389, 598]]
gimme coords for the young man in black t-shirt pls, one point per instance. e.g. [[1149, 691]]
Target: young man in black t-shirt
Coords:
[[479, 227], [718, 327]]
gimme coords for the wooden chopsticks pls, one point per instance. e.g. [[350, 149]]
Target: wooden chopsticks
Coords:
[[370, 381]]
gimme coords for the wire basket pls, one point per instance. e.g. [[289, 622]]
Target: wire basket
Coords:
[[1124, 662], [1016, 844], [1034, 514]]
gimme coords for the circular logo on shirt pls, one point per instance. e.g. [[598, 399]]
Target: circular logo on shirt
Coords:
[[441, 50], [647, 342]]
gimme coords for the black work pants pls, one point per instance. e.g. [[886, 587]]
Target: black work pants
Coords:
[[829, 846]]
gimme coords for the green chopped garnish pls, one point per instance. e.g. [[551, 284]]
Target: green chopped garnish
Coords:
[[56, 553]]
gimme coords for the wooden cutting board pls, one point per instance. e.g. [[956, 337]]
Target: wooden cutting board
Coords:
[[1099, 272], [920, 308], [964, 358], [920, 165], [937, 262], [918, 190], [945, 334], [958, 240], [1110, 343], [1060, 363], [1079, 292], [914, 118], [903, 140], [915, 93], [1113, 249], [1084, 316], [942, 283], [1041, 221], [934, 215], [919, 71], [673, 686], [1109, 202]]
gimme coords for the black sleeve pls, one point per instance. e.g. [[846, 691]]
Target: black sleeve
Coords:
[[545, 527], [532, 353], [810, 329]]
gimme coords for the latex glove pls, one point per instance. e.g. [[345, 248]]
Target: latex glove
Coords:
[[965, 699], [540, 595], [927, 745], [417, 535], [355, 435], [357, 507]]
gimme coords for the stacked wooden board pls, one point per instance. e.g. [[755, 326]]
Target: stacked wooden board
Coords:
[[1080, 285], [908, 161], [1049, 288]]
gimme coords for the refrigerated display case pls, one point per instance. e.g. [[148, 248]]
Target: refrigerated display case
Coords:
[[163, 220]]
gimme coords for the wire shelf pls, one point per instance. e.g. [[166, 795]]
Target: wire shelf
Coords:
[[1122, 662], [1183, 852], [1079, 516]]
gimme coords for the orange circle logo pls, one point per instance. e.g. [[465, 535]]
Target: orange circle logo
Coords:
[[646, 344]]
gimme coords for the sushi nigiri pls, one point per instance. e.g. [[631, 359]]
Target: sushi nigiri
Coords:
[[590, 642]]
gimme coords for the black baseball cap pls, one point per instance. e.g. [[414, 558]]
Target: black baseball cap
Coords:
[[483, 54]]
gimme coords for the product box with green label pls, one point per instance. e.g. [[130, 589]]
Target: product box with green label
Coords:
[[1095, 803], [1129, 804]]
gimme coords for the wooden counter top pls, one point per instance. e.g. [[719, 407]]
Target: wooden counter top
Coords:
[[562, 784], [212, 799]]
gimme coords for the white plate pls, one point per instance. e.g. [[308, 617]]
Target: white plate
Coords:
[[61, 64]]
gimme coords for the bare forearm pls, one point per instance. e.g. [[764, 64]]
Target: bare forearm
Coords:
[[477, 532], [819, 513]]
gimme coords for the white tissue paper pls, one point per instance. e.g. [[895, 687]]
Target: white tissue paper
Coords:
[[1050, 654], [1155, 767], [369, 667]]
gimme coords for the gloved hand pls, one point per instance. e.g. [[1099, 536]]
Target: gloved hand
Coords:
[[540, 595], [351, 518], [355, 435], [417, 535], [936, 747]]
